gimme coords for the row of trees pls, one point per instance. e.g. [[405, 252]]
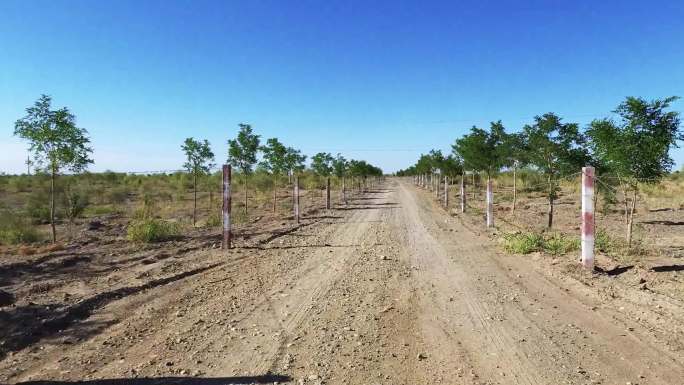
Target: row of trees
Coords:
[[56, 144], [632, 148]]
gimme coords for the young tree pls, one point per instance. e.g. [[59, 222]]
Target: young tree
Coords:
[[275, 162], [54, 139], [199, 162], [558, 149], [636, 147], [481, 150], [514, 155], [294, 160], [242, 153], [321, 164], [339, 166]]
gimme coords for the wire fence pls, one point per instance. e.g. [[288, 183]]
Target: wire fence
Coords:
[[170, 195], [658, 220]]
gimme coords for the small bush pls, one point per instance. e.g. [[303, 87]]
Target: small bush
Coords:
[[554, 244], [214, 220], [117, 195], [15, 230], [523, 243], [152, 230], [559, 244]]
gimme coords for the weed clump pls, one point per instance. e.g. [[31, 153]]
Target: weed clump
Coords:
[[526, 243], [152, 230], [15, 230]]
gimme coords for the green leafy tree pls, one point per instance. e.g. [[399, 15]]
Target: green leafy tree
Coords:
[[242, 153], [294, 160], [55, 141], [557, 149], [513, 153], [275, 162], [637, 146], [199, 162], [321, 164], [482, 150], [339, 166]]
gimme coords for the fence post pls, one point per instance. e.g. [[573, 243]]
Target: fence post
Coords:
[[446, 192], [227, 234], [344, 190], [490, 203], [588, 217], [295, 198], [463, 193], [327, 193]]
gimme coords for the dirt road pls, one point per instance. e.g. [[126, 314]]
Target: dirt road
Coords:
[[387, 290]]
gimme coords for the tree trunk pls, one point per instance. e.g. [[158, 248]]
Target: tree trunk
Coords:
[[245, 176], [630, 221], [551, 194], [275, 192], [52, 204], [515, 168], [194, 199]]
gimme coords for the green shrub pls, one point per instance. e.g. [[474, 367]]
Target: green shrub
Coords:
[[523, 243], [559, 244], [38, 206], [14, 229], [605, 243], [152, 230], [75, 202], [100, 210], [117, 195], [554, 244], [214, 220]]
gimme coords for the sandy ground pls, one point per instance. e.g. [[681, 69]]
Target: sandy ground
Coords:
[[387, 290]]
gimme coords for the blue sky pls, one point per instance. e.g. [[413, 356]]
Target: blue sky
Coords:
[[374, 80]]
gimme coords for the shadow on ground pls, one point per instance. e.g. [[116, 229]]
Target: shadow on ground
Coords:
[[265, 379]]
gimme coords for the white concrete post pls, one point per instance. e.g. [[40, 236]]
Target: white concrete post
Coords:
[[588, 217], [490, 203], [446, 192]]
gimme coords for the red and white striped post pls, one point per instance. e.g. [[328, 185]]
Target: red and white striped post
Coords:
[[446, 192], [588, 217], [227, 235], [490, 203], [463, 194], [295, 198]]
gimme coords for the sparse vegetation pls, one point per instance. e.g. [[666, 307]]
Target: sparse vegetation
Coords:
[[152, 230]]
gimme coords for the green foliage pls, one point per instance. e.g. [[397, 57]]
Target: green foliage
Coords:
[[75, 202], [14, 229], [523, 243], [605, 243], [117, 195], [152, 230], [529, 242], [242, 151], [53, 136], [321, 164], [199, 156], [637, 146], [275, 157], [37, 207], [294, 160], [362, 168], [560, 244], [339, 166], [483, 151]]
